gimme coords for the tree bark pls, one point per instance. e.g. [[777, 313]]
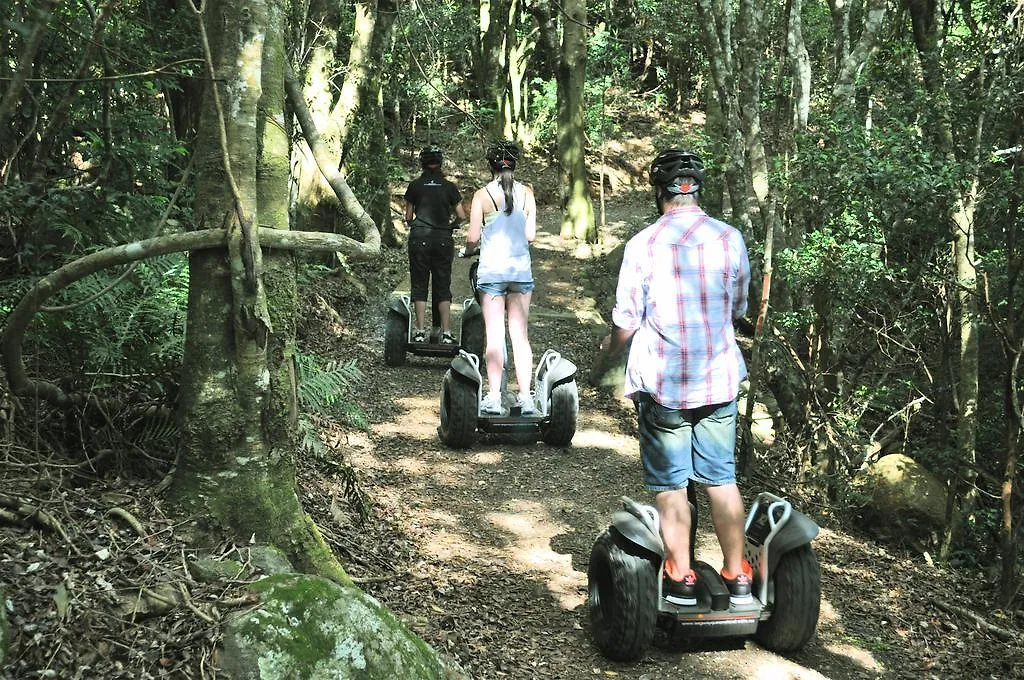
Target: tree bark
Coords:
[[25, 63], [236, 475], [578, 216], [925, 23]]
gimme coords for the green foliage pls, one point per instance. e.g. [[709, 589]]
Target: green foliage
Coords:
[[326, 389]]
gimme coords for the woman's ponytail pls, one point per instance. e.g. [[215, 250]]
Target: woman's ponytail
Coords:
[[508, 181]]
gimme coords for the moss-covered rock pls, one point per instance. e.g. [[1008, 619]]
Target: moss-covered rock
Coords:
[[903, 500], [270, 560], [310, 628], [210, 569]]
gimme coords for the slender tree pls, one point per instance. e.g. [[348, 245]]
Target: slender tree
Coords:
[[578, 210]]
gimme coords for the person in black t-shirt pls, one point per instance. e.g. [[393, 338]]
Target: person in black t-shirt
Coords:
[[430, 202]]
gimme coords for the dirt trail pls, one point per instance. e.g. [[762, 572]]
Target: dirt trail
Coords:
[[497, 537]]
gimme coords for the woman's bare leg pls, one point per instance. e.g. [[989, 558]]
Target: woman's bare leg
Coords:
[[522, 355], [493, 307]]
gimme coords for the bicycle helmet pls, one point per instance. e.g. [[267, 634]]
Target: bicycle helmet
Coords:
[[503, 156], [677, 171], [431, 155]]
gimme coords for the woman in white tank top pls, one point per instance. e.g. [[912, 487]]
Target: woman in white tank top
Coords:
[[503, 222]]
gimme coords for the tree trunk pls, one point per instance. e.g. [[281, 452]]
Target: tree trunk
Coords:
[[925, 22], [578, 215], [237, 468]]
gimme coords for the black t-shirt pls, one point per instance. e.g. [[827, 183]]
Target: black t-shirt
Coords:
[[433, 199]]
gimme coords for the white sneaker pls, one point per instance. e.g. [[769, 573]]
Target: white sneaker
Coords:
[[491, 404], [527, 405]]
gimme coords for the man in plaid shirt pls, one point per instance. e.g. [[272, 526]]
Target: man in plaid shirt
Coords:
[[683, 281]]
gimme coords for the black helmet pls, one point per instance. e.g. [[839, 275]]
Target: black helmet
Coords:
[[672, 169], [431, 155], [503, 156]]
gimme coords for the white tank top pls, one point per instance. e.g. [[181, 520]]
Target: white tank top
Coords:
[[504, 250]]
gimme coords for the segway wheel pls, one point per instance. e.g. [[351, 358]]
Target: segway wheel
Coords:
[[458, 411], [395, 335], [473, 335], [622, 600], [797, 602], [563, 409]]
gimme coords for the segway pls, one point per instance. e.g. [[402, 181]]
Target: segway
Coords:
[[398, 333], [557, 404], [626, 602]]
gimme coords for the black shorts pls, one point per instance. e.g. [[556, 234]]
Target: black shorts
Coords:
[[431, 252]]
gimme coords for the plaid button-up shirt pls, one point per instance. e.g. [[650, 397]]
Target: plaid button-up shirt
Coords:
[[683, 281]]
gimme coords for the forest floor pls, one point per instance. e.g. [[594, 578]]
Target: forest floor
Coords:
[[483, 552]]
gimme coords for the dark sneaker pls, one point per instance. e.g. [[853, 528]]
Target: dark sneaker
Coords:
[[447, 338], [740, 585], [681, 592], [419, 336]]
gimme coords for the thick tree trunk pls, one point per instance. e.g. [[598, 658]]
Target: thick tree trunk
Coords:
[[578, 216], [237, 471]]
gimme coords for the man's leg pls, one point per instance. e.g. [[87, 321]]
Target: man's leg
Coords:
[[674, 510], [727, 516], [714, 465], [665, 445]]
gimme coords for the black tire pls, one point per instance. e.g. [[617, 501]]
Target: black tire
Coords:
[[563, 409], [797, 602], [458, 411], [473, 335], [622, 599], [396, 334]]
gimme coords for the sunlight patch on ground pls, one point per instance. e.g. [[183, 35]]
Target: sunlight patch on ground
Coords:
[[448, 545], [419, 421], [594, 438], [549, 241], [758, 664], [847, 571], [828, 613], [861, 657], [532, 530], [487, 458]]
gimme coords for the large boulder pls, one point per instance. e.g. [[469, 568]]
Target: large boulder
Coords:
[[310, 628], [903, 500]]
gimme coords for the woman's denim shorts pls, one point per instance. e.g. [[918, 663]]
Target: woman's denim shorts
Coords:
[[499, 289]]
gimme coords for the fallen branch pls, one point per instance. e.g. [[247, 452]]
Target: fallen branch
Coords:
[[1001, 633], [130, 519], [187, 598], [38, 515]]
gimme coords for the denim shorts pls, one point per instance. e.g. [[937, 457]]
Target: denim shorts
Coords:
[[677, 445], [499, 289]]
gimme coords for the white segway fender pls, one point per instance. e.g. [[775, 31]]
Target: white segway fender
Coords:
[[470, 310], [552, 370], [400, 305], [468, 366], [639, 524], [799, 530]]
